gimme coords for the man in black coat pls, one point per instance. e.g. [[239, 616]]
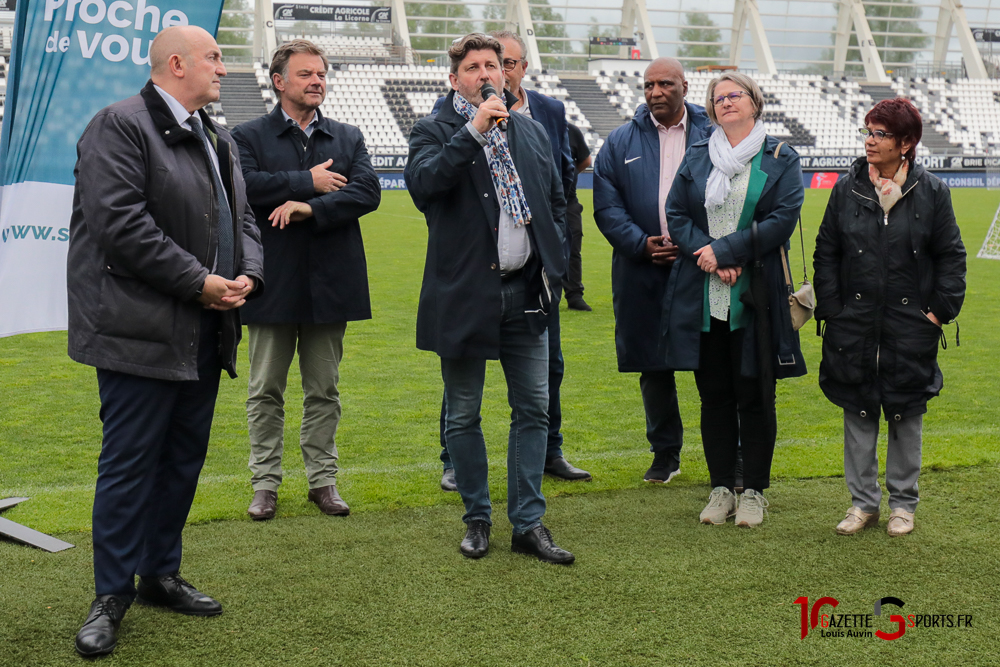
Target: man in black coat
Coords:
[[552, 115], [162, 251], [495, 220], [309, 179]]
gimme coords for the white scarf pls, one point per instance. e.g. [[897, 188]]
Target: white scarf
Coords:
[[727, 161]]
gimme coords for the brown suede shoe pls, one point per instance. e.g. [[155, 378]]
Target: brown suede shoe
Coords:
[[329, 500], [263, 506]]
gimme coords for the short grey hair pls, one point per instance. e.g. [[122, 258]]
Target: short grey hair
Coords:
[[743, 81], [510, 34]]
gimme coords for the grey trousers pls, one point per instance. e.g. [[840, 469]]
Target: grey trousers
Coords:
[[272, 347], [902, 461]]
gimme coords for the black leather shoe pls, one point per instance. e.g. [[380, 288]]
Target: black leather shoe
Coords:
[[448, 480], [538, 542], [577, 303], [561, 468], [664, 469], [477, 539], [172, 592], [99, 634]]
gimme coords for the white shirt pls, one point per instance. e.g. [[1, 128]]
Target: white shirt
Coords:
[[525, 108], [513, 244], [182, 117]]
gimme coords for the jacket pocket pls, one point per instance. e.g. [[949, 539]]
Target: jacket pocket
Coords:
[[130, 308], [916, 359], [843, 355]]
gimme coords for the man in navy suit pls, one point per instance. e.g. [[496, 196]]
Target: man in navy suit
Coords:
[[552, 115]]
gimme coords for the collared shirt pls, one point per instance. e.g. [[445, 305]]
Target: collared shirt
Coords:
[[309, 128], [513, 244], [525, 108], [673, 142], [182, 116]]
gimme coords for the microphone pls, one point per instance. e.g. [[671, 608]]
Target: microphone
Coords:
[[488, 91]]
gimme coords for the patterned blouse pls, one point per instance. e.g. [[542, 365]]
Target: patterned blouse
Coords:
[[723, 220]]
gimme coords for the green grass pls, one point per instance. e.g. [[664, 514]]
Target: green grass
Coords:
[[50, 433], [387, 585], [650, 587]]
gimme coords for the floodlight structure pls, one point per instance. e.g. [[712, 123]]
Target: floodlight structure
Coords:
[[852, 12], [635, 20], [746, 13], [952, 15]]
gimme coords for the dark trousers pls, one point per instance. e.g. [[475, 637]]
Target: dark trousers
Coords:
[[556, 372], [733, 414], [573, 283], [155, 438], [664, 428]]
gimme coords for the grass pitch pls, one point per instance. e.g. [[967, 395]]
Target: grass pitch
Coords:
[[388, 587]]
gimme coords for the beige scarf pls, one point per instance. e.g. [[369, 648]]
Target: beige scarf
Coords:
[[890, 190]]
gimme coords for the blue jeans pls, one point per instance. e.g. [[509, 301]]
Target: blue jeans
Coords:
[[525, 359], [556, 371]]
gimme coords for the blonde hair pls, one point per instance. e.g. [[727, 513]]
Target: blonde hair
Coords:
[[743, 81]]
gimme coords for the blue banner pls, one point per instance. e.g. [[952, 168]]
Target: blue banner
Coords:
[[69, 59]]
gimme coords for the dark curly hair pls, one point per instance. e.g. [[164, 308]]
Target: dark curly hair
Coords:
[[475, 41], [900, 118]]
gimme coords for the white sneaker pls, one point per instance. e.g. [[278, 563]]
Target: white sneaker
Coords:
[[856, 521], [751, 510], [721, 505], [900, 523]]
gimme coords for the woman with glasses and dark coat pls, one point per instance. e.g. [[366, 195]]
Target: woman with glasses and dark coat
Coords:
[[889, 271], [729, 185]]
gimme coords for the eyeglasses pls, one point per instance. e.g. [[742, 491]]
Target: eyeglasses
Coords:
[[878, 135], [733, 97], [509, 64]]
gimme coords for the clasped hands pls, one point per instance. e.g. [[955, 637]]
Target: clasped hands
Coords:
[[709, 264], [324, 181], [221, 294]]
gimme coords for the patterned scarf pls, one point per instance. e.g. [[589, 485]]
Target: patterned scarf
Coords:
[[890, 190], [505, 178]]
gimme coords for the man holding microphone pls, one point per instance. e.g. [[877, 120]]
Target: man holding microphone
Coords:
[[495, 214]]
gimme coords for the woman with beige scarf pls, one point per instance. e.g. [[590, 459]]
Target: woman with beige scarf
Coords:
[[889, 271]]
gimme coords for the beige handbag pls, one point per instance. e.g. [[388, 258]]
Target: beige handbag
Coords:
[[801, 303]]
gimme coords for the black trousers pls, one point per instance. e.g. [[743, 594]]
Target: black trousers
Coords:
[[573, 283], [155, 438], [732, 412], [664, 429]]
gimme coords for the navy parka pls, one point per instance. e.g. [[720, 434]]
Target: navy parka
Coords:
[[626, 194]]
